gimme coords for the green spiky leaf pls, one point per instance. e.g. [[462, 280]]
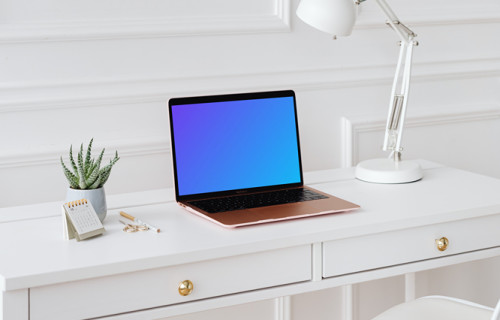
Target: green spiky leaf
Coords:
[[91, 169], [99, 159], [72, 160], [93, 177], [96, 183], [81, 170], [86, 164], [106, 171], [72, 179]]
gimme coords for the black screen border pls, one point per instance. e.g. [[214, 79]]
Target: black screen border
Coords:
[[223, 98]]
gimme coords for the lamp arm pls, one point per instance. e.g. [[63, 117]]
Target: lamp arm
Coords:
[[401, 84], [399, 99], [405, 33]]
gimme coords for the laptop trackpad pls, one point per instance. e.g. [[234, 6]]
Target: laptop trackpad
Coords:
[[284, 211]]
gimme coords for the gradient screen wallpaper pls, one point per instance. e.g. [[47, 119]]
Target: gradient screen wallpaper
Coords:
[[231, 145]]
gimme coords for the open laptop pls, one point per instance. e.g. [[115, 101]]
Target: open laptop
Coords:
[[237, 161]]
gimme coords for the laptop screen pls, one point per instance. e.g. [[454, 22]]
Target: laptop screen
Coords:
[[234, 142]]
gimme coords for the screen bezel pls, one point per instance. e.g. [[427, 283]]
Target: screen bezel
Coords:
[[222, 98]]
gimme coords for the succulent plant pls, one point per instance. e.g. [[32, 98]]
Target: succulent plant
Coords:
[[87, 173]]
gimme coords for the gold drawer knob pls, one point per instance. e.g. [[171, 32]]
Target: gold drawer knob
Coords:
[[442, 243], [185, 288]]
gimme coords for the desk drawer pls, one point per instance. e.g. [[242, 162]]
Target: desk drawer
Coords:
[[396, 247], [159, 287]]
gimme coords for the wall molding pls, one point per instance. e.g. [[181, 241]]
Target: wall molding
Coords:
[[21, 97], [429, 14], [277, 21], [353, 127], [50, 155], [370, 17]]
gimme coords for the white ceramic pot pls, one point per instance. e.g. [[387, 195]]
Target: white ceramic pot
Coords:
[[96, 196]]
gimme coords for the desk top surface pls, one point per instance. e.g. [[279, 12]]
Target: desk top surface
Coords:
[[33, 252]]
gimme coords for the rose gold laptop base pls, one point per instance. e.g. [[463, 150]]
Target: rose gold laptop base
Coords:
[[246, 217]]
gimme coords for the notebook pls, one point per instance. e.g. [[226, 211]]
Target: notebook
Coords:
[[237, 162]]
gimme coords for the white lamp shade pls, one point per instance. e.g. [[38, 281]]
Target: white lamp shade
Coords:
[[336, 17]]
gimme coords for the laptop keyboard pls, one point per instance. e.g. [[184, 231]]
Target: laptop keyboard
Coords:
[[256, 200]]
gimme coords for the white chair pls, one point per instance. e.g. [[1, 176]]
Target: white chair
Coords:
[[440, 308]]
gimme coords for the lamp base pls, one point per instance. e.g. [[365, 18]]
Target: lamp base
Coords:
[[388, 171]]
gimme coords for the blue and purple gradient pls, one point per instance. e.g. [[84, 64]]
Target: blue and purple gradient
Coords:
[[231, 145]]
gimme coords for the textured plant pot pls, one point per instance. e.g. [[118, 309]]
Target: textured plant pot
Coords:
[[97, 198]]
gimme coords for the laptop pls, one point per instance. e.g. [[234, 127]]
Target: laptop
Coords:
[[236, 160]]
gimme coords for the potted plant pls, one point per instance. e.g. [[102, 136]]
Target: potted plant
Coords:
[[87, 179]]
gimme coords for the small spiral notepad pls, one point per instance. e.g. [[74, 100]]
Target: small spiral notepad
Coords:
[[80, 220]]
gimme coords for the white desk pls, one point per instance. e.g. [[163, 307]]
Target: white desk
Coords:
[[135, 276]]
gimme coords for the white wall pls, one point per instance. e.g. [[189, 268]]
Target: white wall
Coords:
[[72, 70]]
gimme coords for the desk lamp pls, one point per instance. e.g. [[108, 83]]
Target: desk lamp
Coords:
[[337, 17]]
